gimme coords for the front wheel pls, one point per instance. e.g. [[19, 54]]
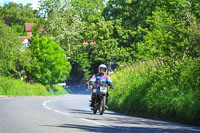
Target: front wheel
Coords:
[[102, 105]]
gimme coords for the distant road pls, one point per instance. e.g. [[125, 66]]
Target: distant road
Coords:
[[71, 114]]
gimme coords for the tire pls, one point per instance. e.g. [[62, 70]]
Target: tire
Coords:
[[102, 105]]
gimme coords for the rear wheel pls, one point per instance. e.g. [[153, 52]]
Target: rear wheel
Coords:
[[102, 105]]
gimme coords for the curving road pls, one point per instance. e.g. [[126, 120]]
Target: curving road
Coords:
[[71, 114]]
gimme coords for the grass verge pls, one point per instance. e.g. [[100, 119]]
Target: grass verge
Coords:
[[171, 93], [16, 87]]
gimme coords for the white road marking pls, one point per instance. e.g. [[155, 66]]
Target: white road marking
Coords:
[[72, 99], [60, 112], [44, 104], [48, 108], [98, 123]]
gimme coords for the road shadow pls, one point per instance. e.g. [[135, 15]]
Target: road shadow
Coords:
[[117, 129], [117, 118], [79, 88], [78, 111]]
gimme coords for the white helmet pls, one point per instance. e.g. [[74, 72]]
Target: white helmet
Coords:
[[102, 66]]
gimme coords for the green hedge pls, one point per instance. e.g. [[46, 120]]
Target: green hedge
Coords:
[[16, 87], [168, 93]]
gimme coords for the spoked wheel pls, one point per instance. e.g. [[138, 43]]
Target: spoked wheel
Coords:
[[102, 105]]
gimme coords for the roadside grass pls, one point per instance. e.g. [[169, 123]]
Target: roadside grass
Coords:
[[166, 93], [16, 87]]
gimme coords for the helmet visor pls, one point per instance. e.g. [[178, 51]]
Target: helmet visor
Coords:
[[103, 69]]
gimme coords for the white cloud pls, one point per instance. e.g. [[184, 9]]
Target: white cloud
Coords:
[[24, 2]]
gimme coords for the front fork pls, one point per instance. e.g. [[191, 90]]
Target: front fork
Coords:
[[96, 99]]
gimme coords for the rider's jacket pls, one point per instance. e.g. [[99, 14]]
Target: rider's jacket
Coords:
[[97, 78]]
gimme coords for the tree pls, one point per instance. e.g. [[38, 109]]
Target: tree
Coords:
[[61, 23], [14, 57], [47, 7], [50, 64], [132, 14], [173, 30], [81, 64], [65, 29], [18, 15], [89, 11], [107, 48]]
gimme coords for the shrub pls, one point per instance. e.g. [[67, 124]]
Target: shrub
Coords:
[[168, 93], [16, 87]]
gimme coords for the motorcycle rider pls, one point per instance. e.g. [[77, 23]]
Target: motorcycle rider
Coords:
[[98, 78]]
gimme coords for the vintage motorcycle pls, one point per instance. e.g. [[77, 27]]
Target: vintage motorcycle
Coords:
[[100, 99]]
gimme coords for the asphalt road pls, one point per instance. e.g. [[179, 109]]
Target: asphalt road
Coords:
[[71, 114]]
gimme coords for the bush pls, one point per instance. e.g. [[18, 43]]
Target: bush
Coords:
[[16, 87], [50, 64], [167, 93], [56, 90]]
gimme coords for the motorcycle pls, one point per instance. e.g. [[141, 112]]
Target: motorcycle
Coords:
[[100, 99]]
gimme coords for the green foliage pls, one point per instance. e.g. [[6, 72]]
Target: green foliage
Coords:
[[49, 61], [80, 63], [89, 11], [37, 29], [167, 93], [16, 87], [47, 7], [167, 36], [55, 90], [18, 15], [14, 57], [106, 48], [151, 28], [68, 31], [132, 13], [65, 29]]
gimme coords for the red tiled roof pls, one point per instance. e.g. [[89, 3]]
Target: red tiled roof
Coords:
[[28, 27]]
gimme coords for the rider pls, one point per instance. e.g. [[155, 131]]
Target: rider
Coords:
[[96, 79]]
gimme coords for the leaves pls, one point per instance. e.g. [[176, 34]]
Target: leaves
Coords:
[[107, 47], [89, 11], [164, 93], [18, 15], [14, 57], [49, 61]]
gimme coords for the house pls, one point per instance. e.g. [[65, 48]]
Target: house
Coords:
[[25, 40], [28, 29]]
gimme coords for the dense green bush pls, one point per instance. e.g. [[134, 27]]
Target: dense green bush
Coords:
[[50, 64], [16, 87], [14, 56], [170, 93]]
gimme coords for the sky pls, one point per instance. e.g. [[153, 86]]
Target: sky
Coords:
[[24, 2]]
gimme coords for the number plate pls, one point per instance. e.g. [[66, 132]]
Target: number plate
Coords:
[[103, 89]]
